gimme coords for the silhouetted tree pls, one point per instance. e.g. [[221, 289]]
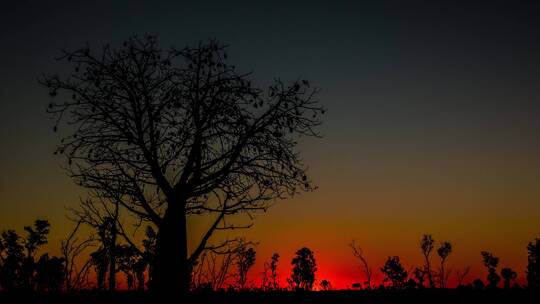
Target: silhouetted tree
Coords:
[[98, 214], [149, 253], [491, 262], [394, 272], [325, 285], [443, 251], [304, 267], [12, 253], [100, 261], [139, 269], [50, 273], [36, 236], [105, 255], [359, 254], [461, 275], [245, 259], [274, 279], [105, 221], [427, 245], [212, 268], [71, 248], [533, 264], [19, 268], [176, 133], [508, 276], [129, 261], [270, 275]]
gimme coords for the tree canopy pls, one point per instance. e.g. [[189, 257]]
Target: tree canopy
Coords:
[[174, 133]]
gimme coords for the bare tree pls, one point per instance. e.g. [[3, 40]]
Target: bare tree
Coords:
[[462, 274], [97, 214], [178, 133], [427, 244], [212, 270], [358, 253], [447, 274], [76, 272]]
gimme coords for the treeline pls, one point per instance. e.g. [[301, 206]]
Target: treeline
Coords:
[[102, 253], [429, 276], [108, 253], [21, 268]]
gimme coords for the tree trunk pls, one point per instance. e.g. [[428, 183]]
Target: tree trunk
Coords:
[[171, 273], [112, 257], [442, 283], [112, 250], [429, 274], [102, 272]]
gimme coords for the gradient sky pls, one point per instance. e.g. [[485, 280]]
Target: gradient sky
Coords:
[[432, 122]]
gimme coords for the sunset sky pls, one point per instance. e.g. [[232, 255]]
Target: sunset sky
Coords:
[[432, 124]]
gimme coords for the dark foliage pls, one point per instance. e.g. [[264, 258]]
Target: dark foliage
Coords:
[[508, 276], [19, 268], [394, 273], [304, 267], [245, 259], [443, 251], [491, 262], [270, 280], [427, 245], [533, 265]]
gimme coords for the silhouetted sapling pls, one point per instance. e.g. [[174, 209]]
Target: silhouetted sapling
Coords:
[[245, 259], [427, 245], [270, 279], [359, 254], [443, 251]]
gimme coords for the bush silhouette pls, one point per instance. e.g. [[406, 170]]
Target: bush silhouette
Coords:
[[394, 272]]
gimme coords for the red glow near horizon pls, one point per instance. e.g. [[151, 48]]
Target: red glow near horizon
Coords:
[[340, 277]]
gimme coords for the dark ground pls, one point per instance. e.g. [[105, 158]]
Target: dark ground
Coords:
[[327, 297]]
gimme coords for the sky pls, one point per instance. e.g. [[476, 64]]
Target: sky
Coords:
[[432, 123]]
